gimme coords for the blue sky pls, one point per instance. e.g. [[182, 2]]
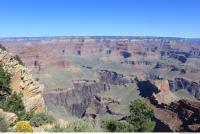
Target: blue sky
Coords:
[[172, 18]]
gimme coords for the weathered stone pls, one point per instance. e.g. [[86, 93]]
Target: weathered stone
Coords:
[[165, 95], [10, 117], [183, 84], [22, 82]]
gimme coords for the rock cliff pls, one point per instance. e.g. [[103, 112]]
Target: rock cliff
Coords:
[[22, 81], [165, 95], [171, 114], [180, 116], [80, 96], [75, 100], [183, 84]]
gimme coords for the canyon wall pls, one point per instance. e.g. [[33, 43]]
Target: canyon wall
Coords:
[[77, 98]]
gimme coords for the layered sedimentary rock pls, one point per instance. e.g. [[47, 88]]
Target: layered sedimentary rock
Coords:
[[180, 116], [171, 113], [80, 95], [113, 78], [33, 49], [137, 63], [22, 82], [164, 95], [183, 84], [74, 100]]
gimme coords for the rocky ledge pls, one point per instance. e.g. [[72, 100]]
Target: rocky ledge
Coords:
[[184, 84], [171, 114], [22, 82], [179, 116]]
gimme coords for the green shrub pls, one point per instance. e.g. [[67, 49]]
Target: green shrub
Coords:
[[124, 126], [41, 119], [82, 126], [11, 102], [19, 60], [5, 79], [23, 126], [141, 116], [58, 128], [26, 115], [112, 125], [3, 124], [14, 104], [75, 126], [140, 120], [109, 125]]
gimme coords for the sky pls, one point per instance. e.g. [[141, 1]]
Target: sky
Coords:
[[34, 18]]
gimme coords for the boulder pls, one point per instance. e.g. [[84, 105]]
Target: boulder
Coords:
[[10, 117]]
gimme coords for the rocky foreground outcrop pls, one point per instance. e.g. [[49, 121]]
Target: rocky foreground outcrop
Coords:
[[22, 82]]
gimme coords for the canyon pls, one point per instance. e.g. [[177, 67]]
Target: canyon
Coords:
[[96, 77]]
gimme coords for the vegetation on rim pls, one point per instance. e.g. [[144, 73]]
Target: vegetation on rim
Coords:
[[140, 119]]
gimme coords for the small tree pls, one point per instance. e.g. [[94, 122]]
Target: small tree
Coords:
[[140, 120], [112, 125], [141, 116], [14, 103], [26, 115], [39, 119], [5, 79], [109, 125], [124, 126], [80, 125]]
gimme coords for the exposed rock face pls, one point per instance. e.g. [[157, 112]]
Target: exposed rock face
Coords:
[[113, 78], [137, 63], [183, 84], [170, 113], [10, 117], [162, 65], [157, 91], [77, 99], [164, 96], [33, 49], [23, 82], [180, 116], [82, 93], [100, 105], [181, 57]]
